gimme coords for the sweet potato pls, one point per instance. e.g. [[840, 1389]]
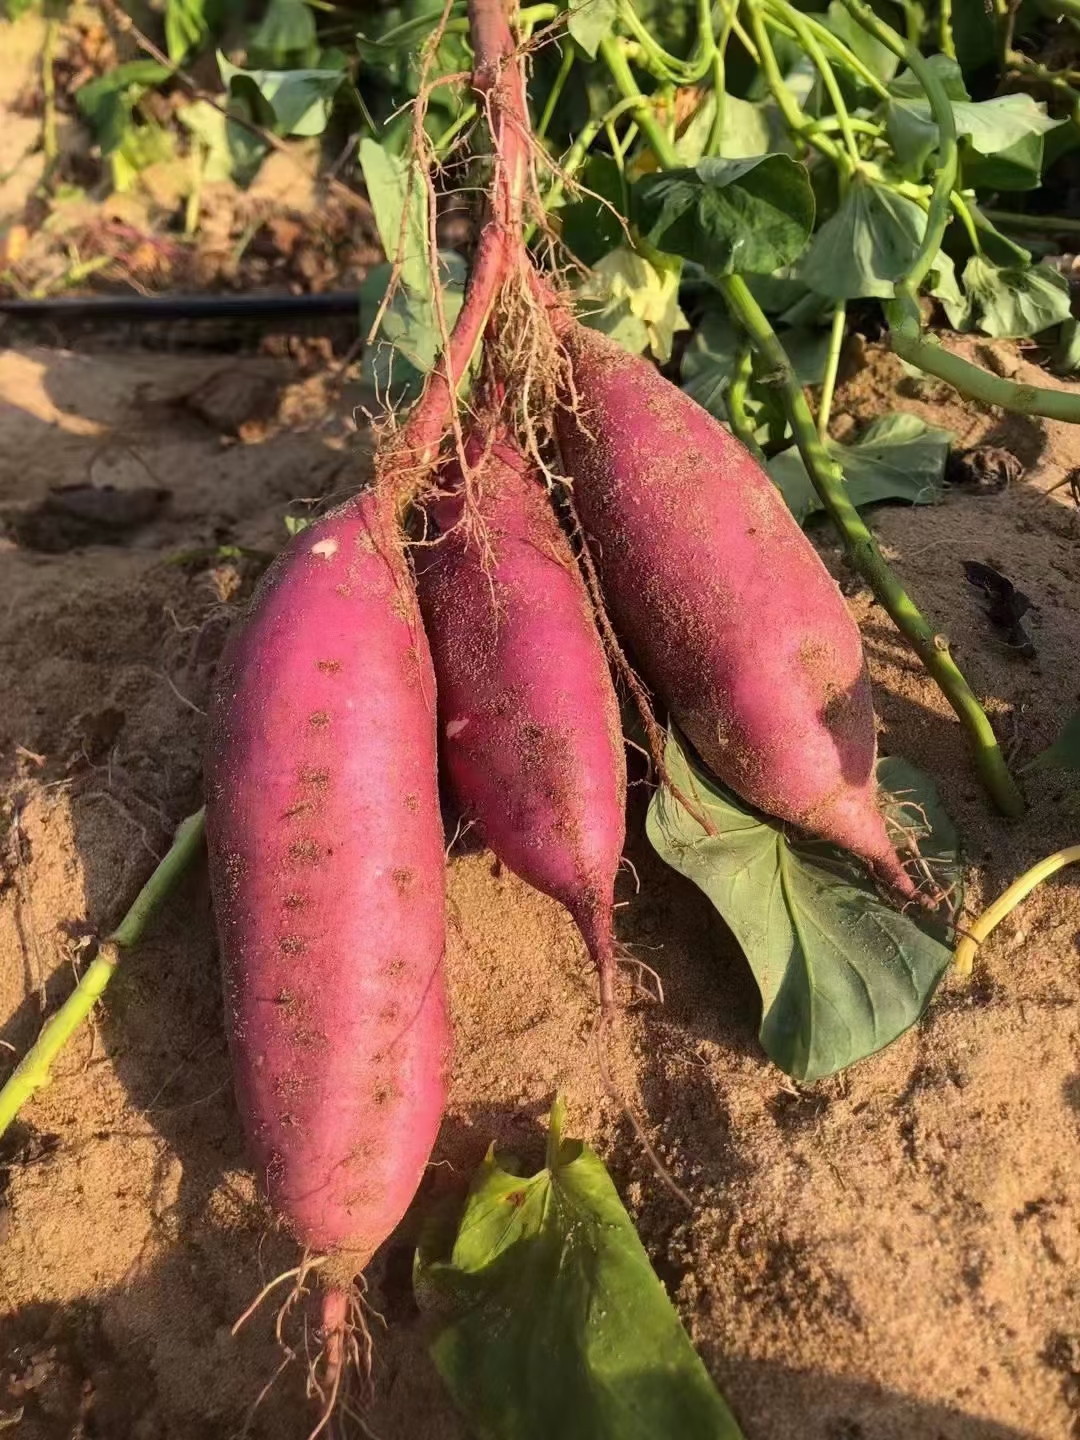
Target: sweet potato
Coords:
[[732, 616], [528, 718], [327, 873]]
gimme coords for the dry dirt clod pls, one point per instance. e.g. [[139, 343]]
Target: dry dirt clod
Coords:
[[984, 469]]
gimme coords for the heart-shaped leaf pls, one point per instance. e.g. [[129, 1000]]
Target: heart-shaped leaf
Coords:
[[841, 973], [751, 216], [866, 246], [552, 1321]]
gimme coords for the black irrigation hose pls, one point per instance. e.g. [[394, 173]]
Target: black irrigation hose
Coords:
[[106, 308]]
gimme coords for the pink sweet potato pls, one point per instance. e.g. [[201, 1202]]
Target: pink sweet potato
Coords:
[[327, 869], [732, 616], [528, 717]]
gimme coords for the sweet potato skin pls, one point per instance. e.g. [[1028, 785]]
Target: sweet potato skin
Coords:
[[729, 610], [327, 872], [528, 717]]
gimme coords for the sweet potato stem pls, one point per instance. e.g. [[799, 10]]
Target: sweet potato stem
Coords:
[[33, 1071], [499, 83], [828, 481]]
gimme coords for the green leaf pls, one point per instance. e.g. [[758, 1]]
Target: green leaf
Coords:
[[1014, 301], [590, 22], [108, 101], [289, 102], [866, 246], [907, 85], [998, 247], [841, 973], [1017, 167], [637, 302], [186, 28], [393, 183], [286, 37], [945, 287], [750, 129], [989, 125], [409, 340], [1064, 753], [751, 215], [552, 1323], [875, 56], [231, 151], [897, 457]]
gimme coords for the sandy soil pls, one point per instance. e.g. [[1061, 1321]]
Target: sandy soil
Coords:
[[893, 1253]]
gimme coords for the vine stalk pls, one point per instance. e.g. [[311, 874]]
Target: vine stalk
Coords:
[[34, 1071]]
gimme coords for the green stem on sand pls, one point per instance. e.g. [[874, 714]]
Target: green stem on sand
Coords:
[[33, 1071], [931, 647]]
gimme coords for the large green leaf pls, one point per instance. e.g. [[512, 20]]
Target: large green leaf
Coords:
[[1016, 300], [944, 286], [897, 457], [552, 1323], [289, 102], [590, 22], [866, 246], [750, 215], [841, 973]]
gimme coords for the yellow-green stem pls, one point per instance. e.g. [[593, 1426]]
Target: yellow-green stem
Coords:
[[832, 366], [34, 1070], [741, 427], [993, 915]]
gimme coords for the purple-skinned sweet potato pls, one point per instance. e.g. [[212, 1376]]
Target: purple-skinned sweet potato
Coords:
[[732, 616], [327, 871], [528, 717]]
